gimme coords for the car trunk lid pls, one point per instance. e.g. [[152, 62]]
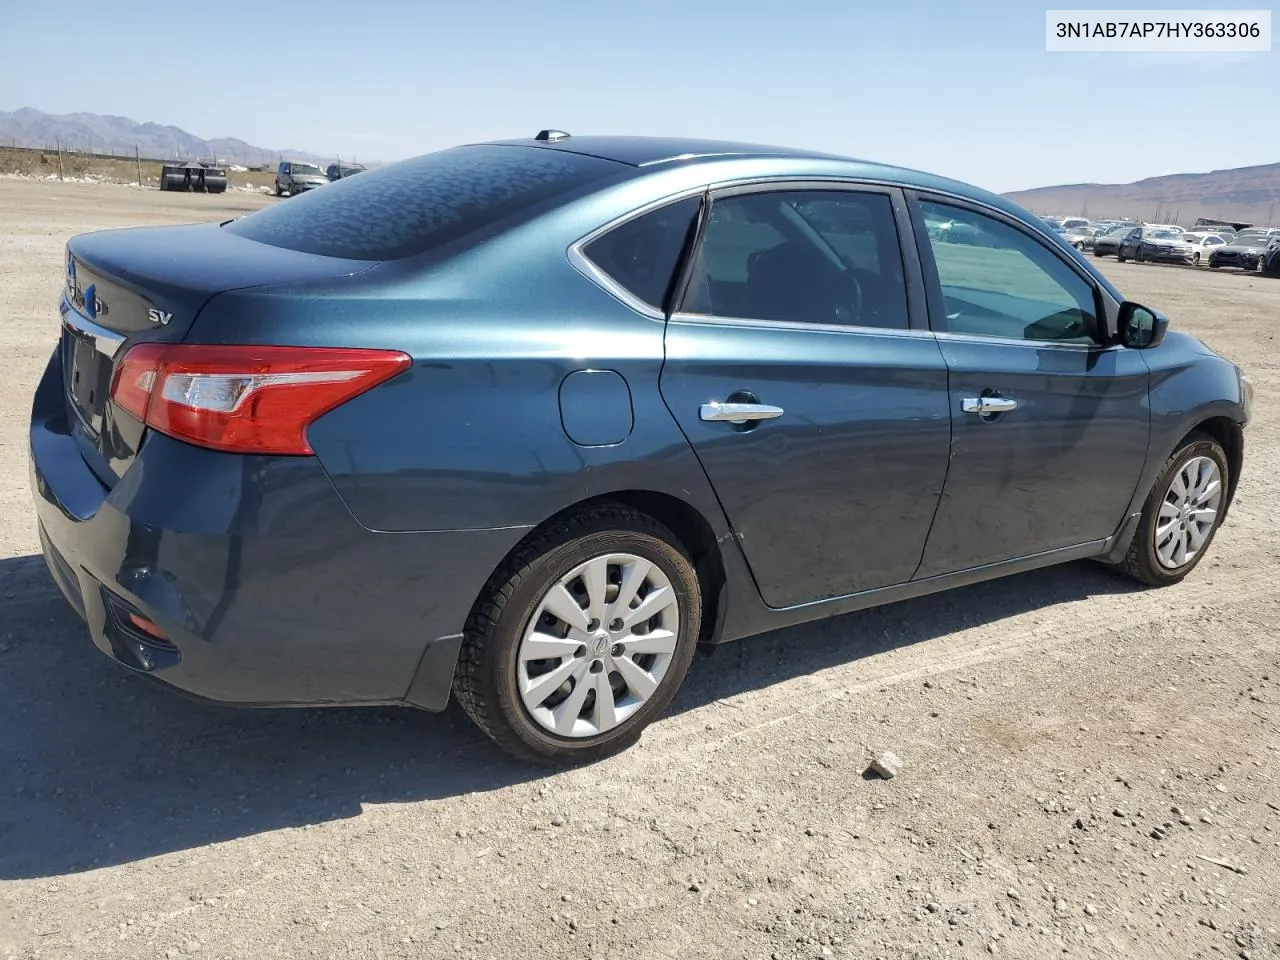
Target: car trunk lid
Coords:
[[146, 285]]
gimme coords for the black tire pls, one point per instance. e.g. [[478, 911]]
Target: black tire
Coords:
[[1098, 253], [485, 680], [1214, 266], [1141, 562], [279, 192]]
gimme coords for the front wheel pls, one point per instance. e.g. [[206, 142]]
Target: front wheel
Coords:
[[1181, 515], [582, 638]]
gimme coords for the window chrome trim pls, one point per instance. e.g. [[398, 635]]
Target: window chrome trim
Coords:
[[707, 319], [588, 268], [104, 340], [1038, 344]]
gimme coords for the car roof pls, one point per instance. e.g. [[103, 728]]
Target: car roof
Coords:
[[648, 155], [649, 151]]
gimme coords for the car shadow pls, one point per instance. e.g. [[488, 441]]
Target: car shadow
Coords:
[[103, 767]]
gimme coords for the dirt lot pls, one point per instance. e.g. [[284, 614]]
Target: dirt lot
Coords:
[[1048, 724], [43, 164]]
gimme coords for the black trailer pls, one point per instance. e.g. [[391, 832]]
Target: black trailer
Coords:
[[197, 175], [1206, 223]]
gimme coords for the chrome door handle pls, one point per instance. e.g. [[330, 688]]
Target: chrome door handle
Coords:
[[988, 405], [738, 412]]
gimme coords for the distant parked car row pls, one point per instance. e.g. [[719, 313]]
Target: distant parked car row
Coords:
[[1251, 248], [294, 177]]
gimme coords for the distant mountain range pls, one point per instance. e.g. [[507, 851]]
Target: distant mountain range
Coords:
[[1246, 193], [1250, 194], [95, 133]]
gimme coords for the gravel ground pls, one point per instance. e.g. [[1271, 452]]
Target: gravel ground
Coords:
[[1088, 769]]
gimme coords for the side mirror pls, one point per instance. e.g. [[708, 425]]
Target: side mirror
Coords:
[[1141, 327]]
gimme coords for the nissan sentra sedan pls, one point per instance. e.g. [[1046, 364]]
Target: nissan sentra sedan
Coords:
[[526, 422]]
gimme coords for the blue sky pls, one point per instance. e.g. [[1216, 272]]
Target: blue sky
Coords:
[[963, 89]]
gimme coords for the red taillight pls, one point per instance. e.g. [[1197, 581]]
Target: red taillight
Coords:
[[244, 399]]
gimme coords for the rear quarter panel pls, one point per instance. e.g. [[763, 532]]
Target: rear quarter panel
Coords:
[[471, 436]]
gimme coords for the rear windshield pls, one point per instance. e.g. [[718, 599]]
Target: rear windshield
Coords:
[[417, 205]]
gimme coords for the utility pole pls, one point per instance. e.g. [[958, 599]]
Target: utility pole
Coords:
[[59, 159], [137, 158]]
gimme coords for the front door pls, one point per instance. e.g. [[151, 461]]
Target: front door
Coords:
[[817, 408], [1050, 423]]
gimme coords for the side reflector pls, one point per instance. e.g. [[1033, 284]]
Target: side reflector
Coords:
[[147, 627]]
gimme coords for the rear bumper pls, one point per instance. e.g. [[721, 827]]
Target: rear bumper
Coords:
[[268, 591]]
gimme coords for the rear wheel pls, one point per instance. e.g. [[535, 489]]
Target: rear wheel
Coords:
[[582, 638], [1181, 515], [279, 192]]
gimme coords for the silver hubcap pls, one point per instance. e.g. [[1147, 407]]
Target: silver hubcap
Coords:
[[598, 645], [1188, 513]]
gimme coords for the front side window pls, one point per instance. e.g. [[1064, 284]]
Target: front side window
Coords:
[[801, 256], [642, 254], [998, 281]]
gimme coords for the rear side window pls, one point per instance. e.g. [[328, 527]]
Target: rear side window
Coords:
[[801, 256], [641, 254], [420, 204]]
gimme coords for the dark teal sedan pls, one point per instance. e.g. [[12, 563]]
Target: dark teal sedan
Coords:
[[526, 422]]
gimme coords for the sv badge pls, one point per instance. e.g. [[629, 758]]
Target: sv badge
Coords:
[[161, 317]]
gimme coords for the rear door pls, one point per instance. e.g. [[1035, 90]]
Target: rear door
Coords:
[[1050, 423], [799, 367]]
